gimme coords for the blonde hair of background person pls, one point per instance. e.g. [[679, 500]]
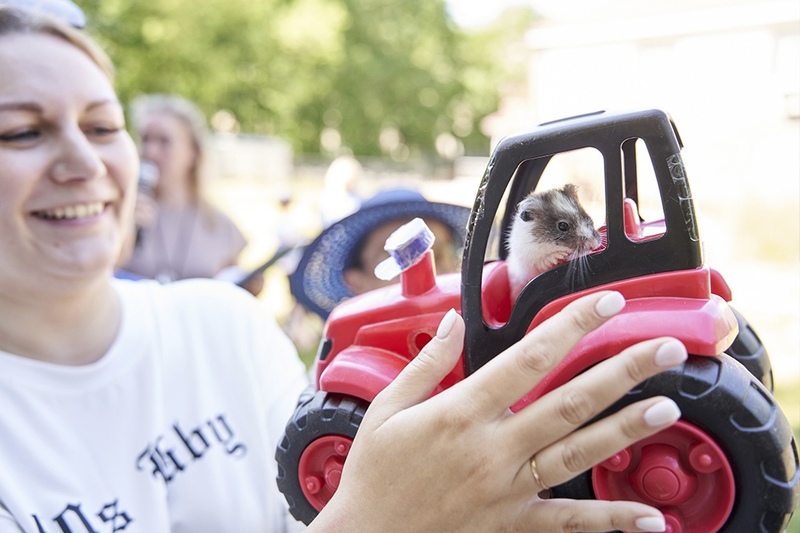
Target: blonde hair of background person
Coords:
[[156, 407]]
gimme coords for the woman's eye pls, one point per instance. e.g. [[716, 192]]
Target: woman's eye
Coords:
[[20, 136], [103, 130]]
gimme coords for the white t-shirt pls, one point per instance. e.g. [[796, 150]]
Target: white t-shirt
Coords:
[[173, 430]]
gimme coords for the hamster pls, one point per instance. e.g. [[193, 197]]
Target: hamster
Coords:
[[549, 228]]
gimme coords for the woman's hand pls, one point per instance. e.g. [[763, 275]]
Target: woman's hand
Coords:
[[461, 461], [145, 211]]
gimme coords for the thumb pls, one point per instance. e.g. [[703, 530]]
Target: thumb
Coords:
[[417, 381]]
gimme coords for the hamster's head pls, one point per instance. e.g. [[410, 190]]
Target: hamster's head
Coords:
[[556, 217]]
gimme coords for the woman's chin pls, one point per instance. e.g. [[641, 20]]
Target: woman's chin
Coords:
[[88, 262]]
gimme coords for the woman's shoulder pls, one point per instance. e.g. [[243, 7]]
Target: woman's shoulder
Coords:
[[216, 311], [214, 214], [222, 225]]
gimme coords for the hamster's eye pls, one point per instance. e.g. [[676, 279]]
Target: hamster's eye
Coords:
[[563, 226], [525, 216]]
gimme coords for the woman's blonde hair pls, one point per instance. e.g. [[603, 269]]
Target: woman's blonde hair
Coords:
[[15, 21]]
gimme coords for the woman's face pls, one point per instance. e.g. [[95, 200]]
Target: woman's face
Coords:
[[68, 168], [167, 141]]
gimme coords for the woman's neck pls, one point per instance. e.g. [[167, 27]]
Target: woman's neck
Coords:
[[176, 194], [59, 327]]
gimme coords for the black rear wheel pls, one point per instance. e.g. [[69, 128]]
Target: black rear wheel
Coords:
[[730, 465], [748, 349]]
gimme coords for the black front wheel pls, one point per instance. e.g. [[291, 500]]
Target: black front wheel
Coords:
[[748, 349], [314, 447], [729, 465]]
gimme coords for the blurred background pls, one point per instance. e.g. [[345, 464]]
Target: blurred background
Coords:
[[421, 90]]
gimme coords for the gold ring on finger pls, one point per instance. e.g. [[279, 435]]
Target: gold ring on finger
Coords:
[[535, 473]]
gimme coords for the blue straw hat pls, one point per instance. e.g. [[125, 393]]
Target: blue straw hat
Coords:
[[318, 282], [63, 9]]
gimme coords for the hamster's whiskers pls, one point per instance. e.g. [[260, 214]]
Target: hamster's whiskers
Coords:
[[578, 269]]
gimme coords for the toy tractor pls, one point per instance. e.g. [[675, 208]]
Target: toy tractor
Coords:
[[730, 464]]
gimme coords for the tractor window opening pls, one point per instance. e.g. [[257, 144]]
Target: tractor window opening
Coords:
[[644, 213], [583, 168]]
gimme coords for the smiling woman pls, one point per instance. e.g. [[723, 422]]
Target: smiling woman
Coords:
[[69, 204], [97, 392], [67, 166]]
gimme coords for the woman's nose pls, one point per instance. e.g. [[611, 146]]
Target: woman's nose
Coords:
[[148, 150], [78, 158]]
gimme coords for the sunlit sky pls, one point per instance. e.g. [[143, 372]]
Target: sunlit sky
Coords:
[[474, 13]]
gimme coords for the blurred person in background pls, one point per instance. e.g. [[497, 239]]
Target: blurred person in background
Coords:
[[341, 261], [302, 327], [179, 234], [340, 196]]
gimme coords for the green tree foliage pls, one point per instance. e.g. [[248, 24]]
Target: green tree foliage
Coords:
[[369, 70]]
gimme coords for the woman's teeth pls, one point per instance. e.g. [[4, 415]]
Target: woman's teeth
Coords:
[[72, 211]]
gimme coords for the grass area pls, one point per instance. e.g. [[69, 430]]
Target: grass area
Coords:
[[788, 396]]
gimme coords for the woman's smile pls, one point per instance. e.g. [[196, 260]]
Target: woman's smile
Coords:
[[77, 212]]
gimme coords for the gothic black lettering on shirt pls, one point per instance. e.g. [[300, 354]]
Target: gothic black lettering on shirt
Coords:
[[171, 453], [110, 513], [164, 462], [73, 520], [225, 436]]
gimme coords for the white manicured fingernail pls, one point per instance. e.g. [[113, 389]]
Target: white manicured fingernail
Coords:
[[446, 324], [651, 523], [664, 412], [610, 304], [670, 354]]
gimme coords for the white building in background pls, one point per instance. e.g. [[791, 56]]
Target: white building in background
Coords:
[[728, 71], [249, 157]]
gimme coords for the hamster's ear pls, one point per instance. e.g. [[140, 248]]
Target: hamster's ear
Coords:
[[524, 211], [571, 190]]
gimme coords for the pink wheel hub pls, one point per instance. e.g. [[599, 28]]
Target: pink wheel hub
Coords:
[[680, 470], [320, 468]]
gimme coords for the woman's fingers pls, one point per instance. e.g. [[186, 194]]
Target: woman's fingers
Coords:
[[508, 377], [595, 443], [589, 515], [423, 373], [570, 406]]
